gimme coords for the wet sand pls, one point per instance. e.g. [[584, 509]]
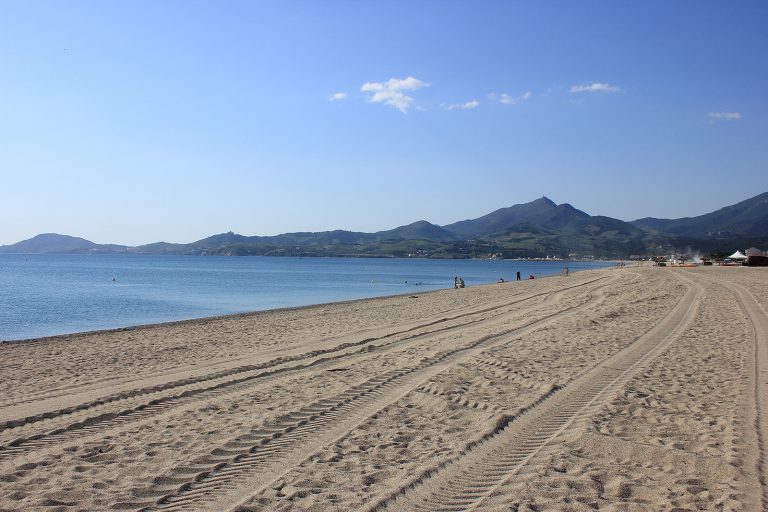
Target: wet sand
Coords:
[[614, 389]]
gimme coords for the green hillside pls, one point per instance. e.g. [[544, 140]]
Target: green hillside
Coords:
[[537, 229]]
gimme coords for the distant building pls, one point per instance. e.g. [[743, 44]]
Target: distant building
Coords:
[[737, 256]]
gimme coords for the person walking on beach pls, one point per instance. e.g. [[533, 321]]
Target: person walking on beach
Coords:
[[518, 275]]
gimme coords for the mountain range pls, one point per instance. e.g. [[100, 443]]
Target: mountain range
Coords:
[[536, 229]]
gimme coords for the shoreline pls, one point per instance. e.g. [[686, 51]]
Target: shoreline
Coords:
[[55, 337], [205, 319]]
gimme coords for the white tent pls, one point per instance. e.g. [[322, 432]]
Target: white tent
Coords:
[[737, 256], [753, 251]]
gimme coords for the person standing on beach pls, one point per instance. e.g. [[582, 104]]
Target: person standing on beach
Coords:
[[518, 275]]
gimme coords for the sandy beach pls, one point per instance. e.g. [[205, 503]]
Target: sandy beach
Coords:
[[615, 389]]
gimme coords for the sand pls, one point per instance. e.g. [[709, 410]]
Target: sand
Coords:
[[616, 389]]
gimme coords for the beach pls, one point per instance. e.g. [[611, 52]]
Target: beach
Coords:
[[614, 389]]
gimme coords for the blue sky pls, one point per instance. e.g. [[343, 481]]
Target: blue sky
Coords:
[[135, 122]]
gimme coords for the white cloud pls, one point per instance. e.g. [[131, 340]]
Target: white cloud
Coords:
[[391, 92], [725, 116], [337, 96], [506, 99], [595, 87], [462, 106]]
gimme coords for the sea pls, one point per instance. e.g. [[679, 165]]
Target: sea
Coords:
[[46, 295]]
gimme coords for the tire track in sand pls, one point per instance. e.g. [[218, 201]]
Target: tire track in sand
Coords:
[[758, 322], [467, 480], [250, 461]]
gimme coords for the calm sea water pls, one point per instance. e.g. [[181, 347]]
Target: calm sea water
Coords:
[[43, 295]]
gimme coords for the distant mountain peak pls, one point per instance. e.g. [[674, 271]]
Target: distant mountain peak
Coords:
[[419, 230], [54, 236], [57, 243], [544, 200], [543, 213]]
